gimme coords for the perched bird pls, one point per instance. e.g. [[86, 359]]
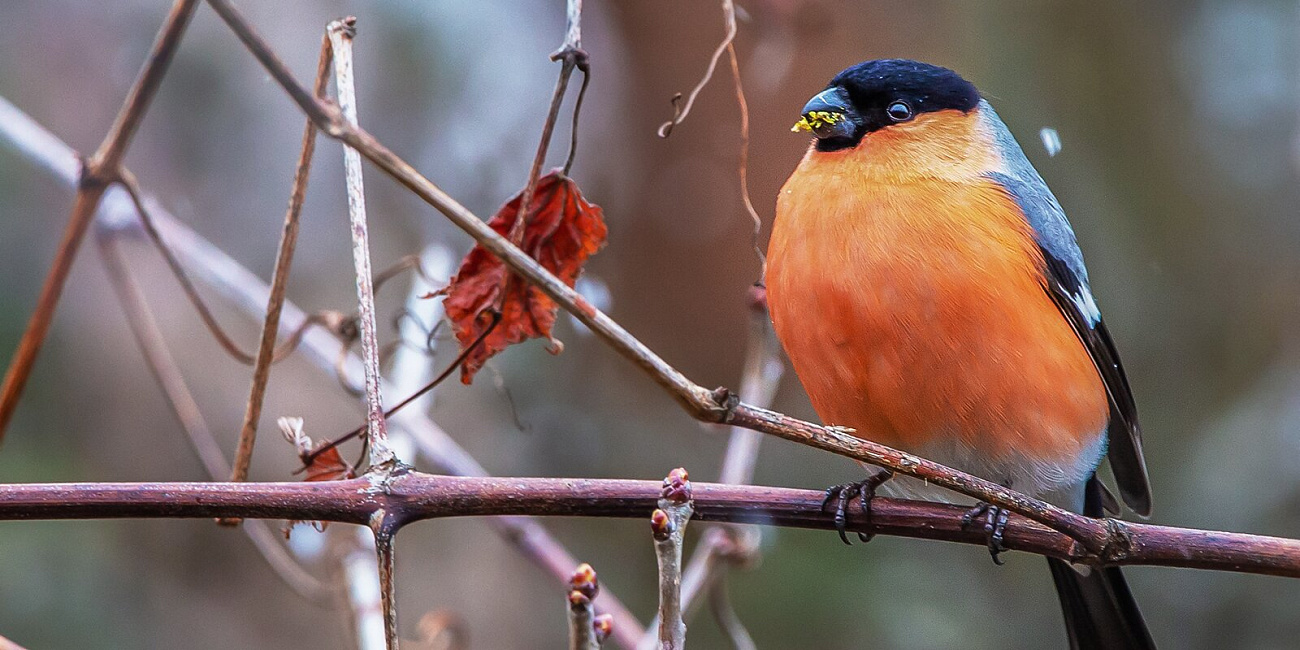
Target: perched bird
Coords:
[[929, 292]]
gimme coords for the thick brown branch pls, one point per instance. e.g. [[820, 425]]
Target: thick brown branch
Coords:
[[415, 496]]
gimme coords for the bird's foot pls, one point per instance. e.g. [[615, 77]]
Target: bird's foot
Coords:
[[842, 494], [995, 526]]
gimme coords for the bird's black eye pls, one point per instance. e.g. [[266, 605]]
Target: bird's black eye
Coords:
[[899, 111]]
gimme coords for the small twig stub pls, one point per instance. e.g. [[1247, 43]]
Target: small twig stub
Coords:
[[586, 630], [668, 527]]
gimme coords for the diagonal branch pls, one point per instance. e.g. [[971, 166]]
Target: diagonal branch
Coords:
[[96, 175], [725, 616], [711, 406], [6, 644], [279, 282], [158, 358], [414, 496]]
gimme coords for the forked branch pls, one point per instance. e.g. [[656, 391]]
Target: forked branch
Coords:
[[96, 175]]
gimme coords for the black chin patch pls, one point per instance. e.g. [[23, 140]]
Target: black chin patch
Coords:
[[838, 144], [874, 86]]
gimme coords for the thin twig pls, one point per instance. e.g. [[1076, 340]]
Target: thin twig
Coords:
[[412, 365], [249, 294], [129, 183], [442, 630], [577, 110], [668, 526], [403, 264], [341, 33], [96, 175], [385, 530], [279, 282], [144, 327], [725, 615], [451, 367], [681, 110], [742, 166], [707, 405], [571, 56], [361, 590]]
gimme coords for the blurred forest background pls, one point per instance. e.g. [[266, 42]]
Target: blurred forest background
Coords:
[[1181, 151]]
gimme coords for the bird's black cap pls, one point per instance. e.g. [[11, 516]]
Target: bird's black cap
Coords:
[[878, 94]]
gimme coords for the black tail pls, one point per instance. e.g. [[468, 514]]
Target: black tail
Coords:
[[1100, 613], [1099, 610]]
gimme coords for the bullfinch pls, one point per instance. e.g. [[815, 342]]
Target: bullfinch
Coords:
[[929, 292]]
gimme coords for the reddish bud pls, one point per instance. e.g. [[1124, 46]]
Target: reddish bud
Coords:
[[578, 599], [584, 581], [661, 525], [677, 486], [604, 626]]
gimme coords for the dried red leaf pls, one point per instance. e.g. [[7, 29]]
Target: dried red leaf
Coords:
[[562, 231], [328, 466], [325, 465]]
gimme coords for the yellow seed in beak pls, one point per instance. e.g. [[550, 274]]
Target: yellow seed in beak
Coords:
[[815, 120]]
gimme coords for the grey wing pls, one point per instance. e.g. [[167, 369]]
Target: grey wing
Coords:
[[1066, 281]]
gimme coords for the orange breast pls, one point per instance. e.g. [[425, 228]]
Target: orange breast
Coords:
[[913, 312]]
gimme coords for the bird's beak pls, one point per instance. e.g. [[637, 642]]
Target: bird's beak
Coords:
[[828, 115]]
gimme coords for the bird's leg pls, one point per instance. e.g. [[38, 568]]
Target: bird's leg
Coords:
[[865, 490], [995, 526]]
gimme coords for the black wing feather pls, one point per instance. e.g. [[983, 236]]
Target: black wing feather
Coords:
[[1125, 437], [1066, 281]]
